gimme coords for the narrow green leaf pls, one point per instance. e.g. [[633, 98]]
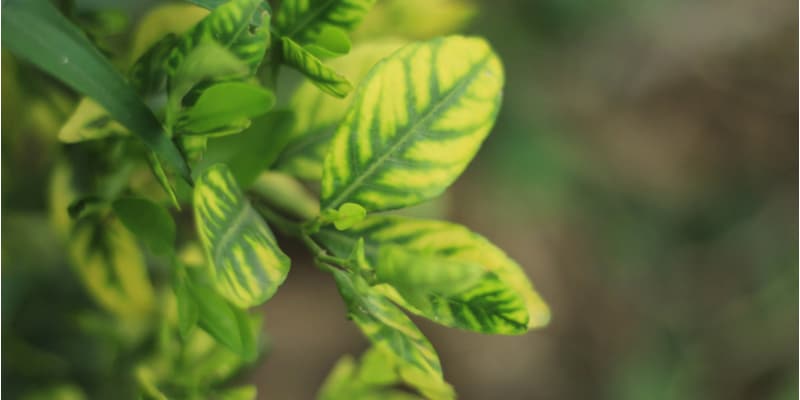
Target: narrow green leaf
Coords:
[[490, 306], [318, 114], [227, 324], [250, 152], [89, 121], [224, 105], [247, 267], [386, 326], [416, 121], [321, 75], [305, 20], [163, 180], [150, 222], [37, 32]]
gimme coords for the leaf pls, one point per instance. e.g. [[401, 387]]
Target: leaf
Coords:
[[386, 326], [227, 324], [163, 180], [37, 32], [89, 121], [346, 216], [111, 266], [321, 75], [416, 19], [331, 42], [248, 392], [224, 105], [318, 114], [170, 19], [376, 375], [253, 150], [416, 121], [246, 264], [483, 308], [227, 26], [150, 222], [420, 272], [305, 20], [286, 194], [188, 312]]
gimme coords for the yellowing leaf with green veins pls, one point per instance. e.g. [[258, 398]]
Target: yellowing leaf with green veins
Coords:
[[305, 21], [247, 267], [321, 75], [386, 326], [229, 26], [416, 19], [224, 108], [491, 306], [89, 121], [417, 120], [425, 273], [162, 20], [318, 114], [111, 266]]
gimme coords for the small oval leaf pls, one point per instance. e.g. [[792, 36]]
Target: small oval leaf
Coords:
[[247, 267]]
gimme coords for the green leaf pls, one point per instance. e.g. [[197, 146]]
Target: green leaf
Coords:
[[170, 19], [416, 121], [346, 216], [253, 150], [488, 307], [376, 375], [147, 75], [286, 194], [163, 180], [188, 312], [321, 75], [37, 32], [386, 326], [305, 20], [150, 222], [248, 392], [331, 42], [111, 266], [89, 121], [224, 105], [318, 114], [228, 324], [246, 264]]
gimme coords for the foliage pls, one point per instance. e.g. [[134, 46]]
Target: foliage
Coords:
[[197, 112]]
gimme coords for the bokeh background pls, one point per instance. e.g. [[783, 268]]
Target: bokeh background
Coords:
[[643, 170]]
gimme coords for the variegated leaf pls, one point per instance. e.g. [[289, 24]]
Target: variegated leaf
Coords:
[[304, 20], [318, 114], [228, 26], [416, 121], [386, 326], [111, 266], [321, 75], [503, 301], [247, 267], [90, 121]]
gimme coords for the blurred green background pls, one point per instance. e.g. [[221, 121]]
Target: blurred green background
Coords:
[[643, 170]]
